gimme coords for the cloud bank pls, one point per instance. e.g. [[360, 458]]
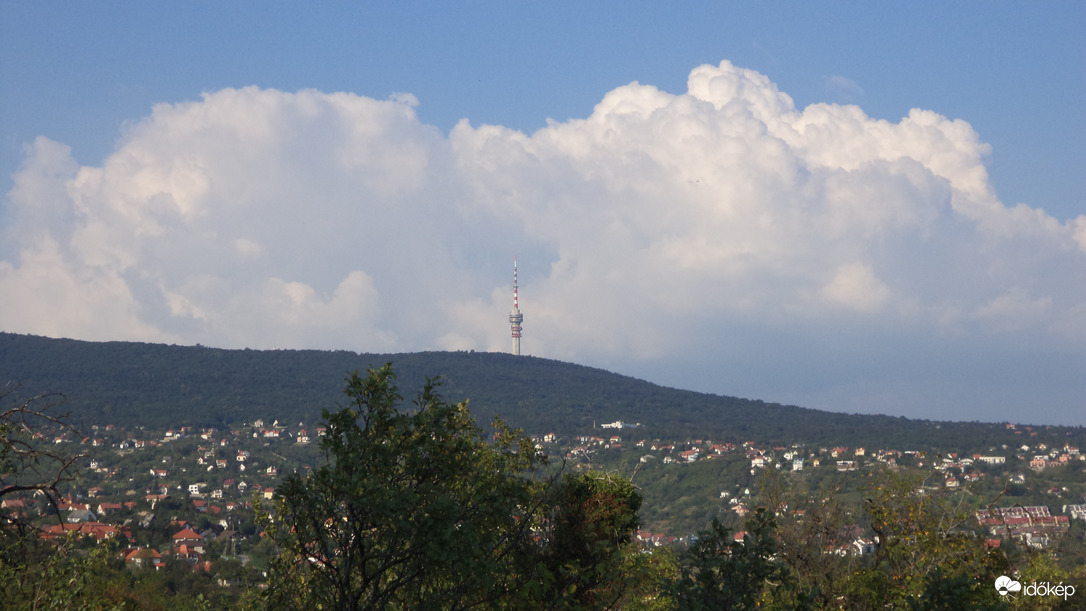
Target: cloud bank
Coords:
[[720, 239]]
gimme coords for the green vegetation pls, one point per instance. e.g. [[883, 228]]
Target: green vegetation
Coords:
[[410, 504], [413, 509], [135, 384]]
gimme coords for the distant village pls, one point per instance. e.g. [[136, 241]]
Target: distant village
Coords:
[[195, 487], [1033, 526]]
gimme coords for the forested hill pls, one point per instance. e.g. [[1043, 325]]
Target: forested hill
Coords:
[[153, 385]]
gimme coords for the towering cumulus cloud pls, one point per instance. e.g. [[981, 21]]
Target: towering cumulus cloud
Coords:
[[720, 238]]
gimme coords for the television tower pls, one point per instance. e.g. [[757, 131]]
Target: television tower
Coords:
[[515, 317]]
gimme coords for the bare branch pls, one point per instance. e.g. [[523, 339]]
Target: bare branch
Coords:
[[27, 462]]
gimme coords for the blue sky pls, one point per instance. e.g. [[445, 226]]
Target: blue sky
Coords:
[[78, 85], [1015, 71]]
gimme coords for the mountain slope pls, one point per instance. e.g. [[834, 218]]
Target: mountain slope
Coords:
[[129, 383]]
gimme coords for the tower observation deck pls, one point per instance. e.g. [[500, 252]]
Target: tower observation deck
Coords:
[[515, 317]]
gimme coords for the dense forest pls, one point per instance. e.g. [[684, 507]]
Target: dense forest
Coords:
[[130, 384]]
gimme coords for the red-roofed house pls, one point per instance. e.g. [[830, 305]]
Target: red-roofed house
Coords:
[[105, 508], [190, 538], [188, 552], [145, 556], [86, 529]]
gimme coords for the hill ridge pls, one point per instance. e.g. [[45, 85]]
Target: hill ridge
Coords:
[[157, 384]]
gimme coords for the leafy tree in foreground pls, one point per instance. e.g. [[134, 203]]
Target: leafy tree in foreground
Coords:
[[590, 557], [735, 574], [927, 554], [412, 510]]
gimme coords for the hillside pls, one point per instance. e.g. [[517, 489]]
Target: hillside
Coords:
[[131, 383]]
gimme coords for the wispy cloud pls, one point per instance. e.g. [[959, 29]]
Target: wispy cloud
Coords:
[[842, 89]]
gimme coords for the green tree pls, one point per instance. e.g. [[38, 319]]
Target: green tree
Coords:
[[725, 573], [57, 575], [590, 558], [1042, 567], [414, 509], [807, 525], [927, 555]]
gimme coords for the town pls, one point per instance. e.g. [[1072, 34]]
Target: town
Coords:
[[1047, 473], [190, 494]]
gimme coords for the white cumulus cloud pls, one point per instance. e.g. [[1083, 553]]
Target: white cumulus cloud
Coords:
[[719, 238]]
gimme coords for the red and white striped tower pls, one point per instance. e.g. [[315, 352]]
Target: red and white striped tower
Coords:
[[515, 317]]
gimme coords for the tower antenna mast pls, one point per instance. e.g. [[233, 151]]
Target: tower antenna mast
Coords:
[[515, 317]]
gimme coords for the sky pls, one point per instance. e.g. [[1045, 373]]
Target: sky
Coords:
[[857, 207]]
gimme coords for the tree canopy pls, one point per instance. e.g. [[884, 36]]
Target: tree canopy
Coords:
[[413, 509]]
